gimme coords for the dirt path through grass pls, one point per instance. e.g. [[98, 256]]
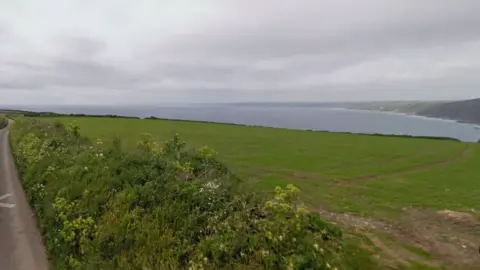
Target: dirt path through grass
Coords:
[[466, 151]]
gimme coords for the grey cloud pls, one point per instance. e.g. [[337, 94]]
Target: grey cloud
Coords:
[[250, 50], [87, 73], [63, 73], [79, 47], [305, 32]]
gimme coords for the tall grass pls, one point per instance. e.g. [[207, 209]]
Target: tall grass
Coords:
[[160, 207]]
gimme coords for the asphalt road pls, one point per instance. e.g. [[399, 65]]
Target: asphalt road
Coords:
[[21, 246]]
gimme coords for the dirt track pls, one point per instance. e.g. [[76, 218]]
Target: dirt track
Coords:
[[21, 246], [419, 168]]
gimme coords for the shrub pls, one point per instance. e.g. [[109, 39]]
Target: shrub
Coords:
[[160, 207], [3, 122]]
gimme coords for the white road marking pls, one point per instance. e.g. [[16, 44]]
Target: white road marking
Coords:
[[6, 205], [5, 196]]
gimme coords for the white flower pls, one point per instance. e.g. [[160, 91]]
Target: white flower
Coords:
[[211, 185], [86, 168]]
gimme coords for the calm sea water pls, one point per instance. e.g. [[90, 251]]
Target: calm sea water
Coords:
[[295, 117]]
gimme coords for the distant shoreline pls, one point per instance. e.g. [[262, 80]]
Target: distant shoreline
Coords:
[[476, 125]]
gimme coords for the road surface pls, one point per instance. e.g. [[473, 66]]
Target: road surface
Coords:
[[21, 246]]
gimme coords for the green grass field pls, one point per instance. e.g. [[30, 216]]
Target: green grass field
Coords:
[[398, 184]]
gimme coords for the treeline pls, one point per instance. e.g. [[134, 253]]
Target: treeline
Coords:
[[416, 137], [162, 207], [51, 114], [392, 135]]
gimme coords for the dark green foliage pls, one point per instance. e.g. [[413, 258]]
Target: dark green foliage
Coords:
[[3, 122], [160, 207], [416, 137]]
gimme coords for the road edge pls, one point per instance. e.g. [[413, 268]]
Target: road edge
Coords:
[[27, 248]]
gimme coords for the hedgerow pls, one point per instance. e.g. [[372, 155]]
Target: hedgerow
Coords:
[[162, 206], [3, 122]]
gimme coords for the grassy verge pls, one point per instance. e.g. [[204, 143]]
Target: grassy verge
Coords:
[[163, 207]]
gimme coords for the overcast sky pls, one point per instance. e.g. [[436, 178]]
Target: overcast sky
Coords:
[[163, 51]]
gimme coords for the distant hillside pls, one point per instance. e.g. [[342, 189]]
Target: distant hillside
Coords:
[[407, 107], [463, 111]]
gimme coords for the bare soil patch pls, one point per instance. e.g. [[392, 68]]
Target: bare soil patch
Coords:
[[450, 239]]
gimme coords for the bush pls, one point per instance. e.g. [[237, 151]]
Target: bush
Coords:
[[3, 122], [160, 207]]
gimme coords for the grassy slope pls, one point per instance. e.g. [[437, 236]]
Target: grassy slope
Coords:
[[372, 176]]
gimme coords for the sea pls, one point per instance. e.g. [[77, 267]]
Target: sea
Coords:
[[291, 116]]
